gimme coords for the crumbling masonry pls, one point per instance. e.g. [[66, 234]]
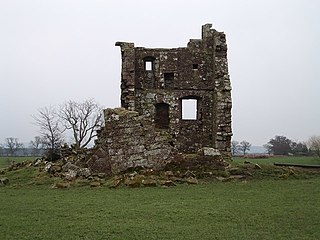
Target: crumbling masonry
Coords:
[[156, 85]]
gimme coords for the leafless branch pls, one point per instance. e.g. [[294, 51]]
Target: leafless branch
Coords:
[[83, 119], [50, 129]]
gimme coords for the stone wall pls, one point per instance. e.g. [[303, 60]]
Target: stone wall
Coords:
[[150, 128], [130, 140], [198, 71]]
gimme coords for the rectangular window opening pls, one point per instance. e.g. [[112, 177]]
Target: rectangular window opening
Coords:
[[194, 66], [148, 65], [189, 109], [168, 80], [168, 76]]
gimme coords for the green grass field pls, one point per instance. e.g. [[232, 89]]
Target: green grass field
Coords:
[[6, 161], [255, 209], [282, 209]]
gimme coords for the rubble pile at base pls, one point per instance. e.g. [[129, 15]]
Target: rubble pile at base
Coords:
[[82, 165]]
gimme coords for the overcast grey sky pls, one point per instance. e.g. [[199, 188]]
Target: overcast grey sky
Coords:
[[56, 50]]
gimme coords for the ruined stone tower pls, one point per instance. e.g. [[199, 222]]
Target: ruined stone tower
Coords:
[[156, 85], [156, 82]]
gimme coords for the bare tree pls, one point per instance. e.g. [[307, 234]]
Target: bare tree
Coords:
[[9, 143], [314, 144], [13, 145], [82, 119], [268, 148], [244, 146], [36, 145], [234, 147], [50, 129], [25, 150]]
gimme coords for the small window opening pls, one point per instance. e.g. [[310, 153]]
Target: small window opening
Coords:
[[168, 76], [148, 65], [168, 80], [189, 109], [194, 66]]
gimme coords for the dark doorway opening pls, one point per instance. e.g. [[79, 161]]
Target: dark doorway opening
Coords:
[[162, 115]]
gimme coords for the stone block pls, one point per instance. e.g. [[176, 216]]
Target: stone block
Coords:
[[4, 181], [207, 151]]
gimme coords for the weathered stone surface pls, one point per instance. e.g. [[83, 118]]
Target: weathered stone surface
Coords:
[[167, 183], [233, 177], [199, 71], [131, 141], [237, 177], [48, 166], [149, 128], [95, 184], [71, 175], [195, 162], [37, 162], [100, 165], [4, 181], [116, 183], [133, 182], [235, 171], [189, 174], [221, 179], [178, 179], [192, 180], [84, 172], [207, 151], [56, 168], [70, 167], [257, 166], [149, 183], [169, 173], [143, 178]]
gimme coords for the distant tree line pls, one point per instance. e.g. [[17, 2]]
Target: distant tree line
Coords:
[[13, 147], [281, 145], [240, 148]]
